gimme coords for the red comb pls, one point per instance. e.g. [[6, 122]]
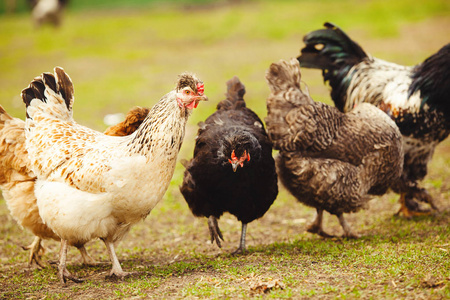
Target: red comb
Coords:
[[200, 88]]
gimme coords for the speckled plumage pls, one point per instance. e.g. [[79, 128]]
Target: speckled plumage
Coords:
[[416, 98], [16, 177], [91, 185], [329, 160], [17, 180]]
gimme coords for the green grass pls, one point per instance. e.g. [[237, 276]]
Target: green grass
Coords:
[[118, 58]]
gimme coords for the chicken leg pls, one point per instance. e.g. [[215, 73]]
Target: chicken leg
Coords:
[[241, 248], [87, 259], [63, 273], [316, 225], [116, 269], [214, 230], [348, 232]]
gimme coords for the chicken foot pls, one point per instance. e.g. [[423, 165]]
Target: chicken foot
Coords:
[[409, 208], [214, 230], [36, 251], [348, 232], [316, 225], [63, 273], [241, 248]]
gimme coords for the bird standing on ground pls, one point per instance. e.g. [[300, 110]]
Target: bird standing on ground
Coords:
[[416, 98], [232, 169], [17, 181], [329, 160], [90, 185]]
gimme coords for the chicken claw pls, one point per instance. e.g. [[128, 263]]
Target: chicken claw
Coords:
[[316, 226], [216, 234], [409, 208], [36, 252]]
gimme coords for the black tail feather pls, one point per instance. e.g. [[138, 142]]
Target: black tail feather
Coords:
[[65, 86], [38, 88], [50, 81], [32, 92], [62, 85], [330, 48], [432, 79], [235, 95], [235, 89]]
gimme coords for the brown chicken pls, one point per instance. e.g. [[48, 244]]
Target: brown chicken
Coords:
[[329, 160], [17, 181]]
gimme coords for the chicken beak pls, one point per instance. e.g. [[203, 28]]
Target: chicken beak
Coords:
[[202, 98], [198, 99], [235, 165]]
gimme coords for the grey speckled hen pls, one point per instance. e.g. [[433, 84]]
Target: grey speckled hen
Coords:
[[329, 160]]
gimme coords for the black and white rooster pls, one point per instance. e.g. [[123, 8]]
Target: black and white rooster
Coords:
[[232, 169], [417, 98]]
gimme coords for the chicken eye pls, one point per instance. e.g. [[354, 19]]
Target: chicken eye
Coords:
[[187, 92]]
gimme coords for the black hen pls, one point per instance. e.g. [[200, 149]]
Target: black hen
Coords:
[[416, 98], [232, 169], [329, 160]]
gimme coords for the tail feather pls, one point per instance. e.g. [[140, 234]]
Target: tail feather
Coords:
[[432, 79], [50, 81], [53, 90], [284, 80], [234, 96], [294, 121], [286, 95], [38, 88], [330, 49], [65, 87]]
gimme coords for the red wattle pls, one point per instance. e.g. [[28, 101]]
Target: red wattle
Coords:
[[191, 105]]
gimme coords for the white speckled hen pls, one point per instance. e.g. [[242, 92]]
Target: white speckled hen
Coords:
[[17, 185], [90, 185], [17, 180], [232, 169], [329, 160], [417, 98]]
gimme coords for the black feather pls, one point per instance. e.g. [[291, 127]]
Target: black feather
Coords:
[[49, 80], [38, 88], [432, 79], [332, 51], [210, 186], [65, 86]]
